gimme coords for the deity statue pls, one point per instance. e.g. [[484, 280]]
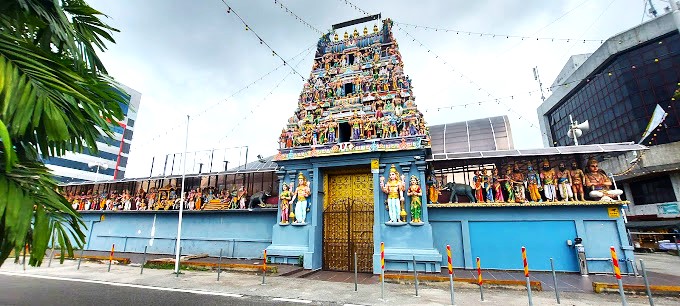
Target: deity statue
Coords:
[[486, 180], [285, 197], [433, 192], [564, 182], [241, 196], [478, 180], [302, 192], [599, 183], [394, 189], [577, 179], [332, 125], [548, 178], [416, 194], [533, 180], [509, 185], [496, 184]]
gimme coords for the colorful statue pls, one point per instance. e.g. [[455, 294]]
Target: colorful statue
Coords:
[[433, 190], [496, 184], [478, 180], [285, 197], [486, 180], [599, 183], [564, 183], [549, 180], [302, 192], [577, 179], [394, 190], [508, 185], [533, 180], [416, 194]]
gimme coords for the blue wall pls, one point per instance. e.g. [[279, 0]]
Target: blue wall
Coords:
[[241, 234], [496, 235]]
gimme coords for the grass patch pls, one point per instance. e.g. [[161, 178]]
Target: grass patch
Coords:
[[171, 266]]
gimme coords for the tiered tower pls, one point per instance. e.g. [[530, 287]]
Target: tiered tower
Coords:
[[357, 99]]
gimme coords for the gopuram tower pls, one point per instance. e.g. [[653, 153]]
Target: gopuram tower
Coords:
[[352, 160]]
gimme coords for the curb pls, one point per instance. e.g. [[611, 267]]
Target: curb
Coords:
[[223, 266], [599, 287], [121, 260], [535, 285]]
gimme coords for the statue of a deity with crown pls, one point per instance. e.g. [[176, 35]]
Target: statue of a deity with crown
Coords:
[[394, 188]]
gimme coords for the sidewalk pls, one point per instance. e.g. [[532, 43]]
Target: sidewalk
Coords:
[[320, 292]]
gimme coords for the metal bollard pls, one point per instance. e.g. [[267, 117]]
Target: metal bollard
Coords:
[[52, 252], [219, 266], [479, 279], [179, 266], [644, 277], [415, 274], [557, 293], [382, 270], [264, 266], [113, 246], [143, 260], [450, 266], [526, 274], [356, 272], [82, 250], [617, 273]]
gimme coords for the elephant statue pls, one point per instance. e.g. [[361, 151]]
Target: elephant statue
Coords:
[[459, 189], [259, 199]]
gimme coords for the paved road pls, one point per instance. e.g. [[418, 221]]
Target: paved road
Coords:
[[21, 290]]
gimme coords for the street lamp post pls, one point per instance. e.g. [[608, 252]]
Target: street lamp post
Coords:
[[98, 165], [178, 249]]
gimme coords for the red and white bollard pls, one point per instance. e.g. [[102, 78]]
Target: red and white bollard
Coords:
[[617, 274], [479, 279], [448, 254], [526, 274], [113, 246]]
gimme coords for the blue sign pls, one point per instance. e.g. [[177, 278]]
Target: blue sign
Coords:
[[668, 209]]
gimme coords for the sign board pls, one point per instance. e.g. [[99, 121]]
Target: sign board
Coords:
[[102, 218], [375, 166], [613, 212], [668, 209]]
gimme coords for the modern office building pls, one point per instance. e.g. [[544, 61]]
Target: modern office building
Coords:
[[113, 152], [618, 88]]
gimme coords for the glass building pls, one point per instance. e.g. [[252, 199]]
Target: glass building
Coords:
[[617, 88]]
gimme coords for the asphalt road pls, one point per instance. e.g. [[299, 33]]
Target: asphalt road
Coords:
[[20, 290]]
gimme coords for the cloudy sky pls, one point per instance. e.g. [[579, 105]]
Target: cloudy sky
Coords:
[[193, 58]]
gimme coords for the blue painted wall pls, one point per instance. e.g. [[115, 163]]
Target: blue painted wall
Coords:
[[496, 235], [241, 234]]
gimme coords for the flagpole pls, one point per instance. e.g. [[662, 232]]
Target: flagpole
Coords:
[[181, 206]]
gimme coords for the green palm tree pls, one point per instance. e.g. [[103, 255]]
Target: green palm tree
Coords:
[[55, 96]]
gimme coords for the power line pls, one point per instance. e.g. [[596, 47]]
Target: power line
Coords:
[[298, 18], [355, 7], [262, 41], [496, 35]]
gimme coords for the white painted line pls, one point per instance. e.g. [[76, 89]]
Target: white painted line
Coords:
[[353, 305], [124, 285], [292, 300]]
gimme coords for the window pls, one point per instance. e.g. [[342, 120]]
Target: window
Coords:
[[652, 191]]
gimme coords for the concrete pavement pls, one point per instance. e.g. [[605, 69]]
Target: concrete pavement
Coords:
[[312, 291]]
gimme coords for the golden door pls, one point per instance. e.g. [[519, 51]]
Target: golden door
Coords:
[[348, 221]]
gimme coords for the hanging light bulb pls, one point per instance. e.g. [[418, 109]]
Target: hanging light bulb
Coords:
[[246, 27]]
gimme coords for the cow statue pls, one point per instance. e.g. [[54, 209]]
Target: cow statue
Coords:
[[260, 199], [459, 189]]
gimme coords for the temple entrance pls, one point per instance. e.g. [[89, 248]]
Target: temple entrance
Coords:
[[348, 221]]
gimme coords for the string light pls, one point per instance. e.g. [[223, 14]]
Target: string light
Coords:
[[298, 18], [495, 35], [230, 9], [355, 7]]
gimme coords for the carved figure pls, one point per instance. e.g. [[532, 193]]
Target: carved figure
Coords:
[[533, 180], [285, 197], [549, 180], [486, 180], [577, 178], [496, 186], [393, 188], [599, 183], [459, 189], [517, 180], [259, 198], [508, 185], [302, 192], [564, 183], [478, 180], [416, 194]]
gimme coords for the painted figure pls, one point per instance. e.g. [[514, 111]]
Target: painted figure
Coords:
[[508, 185], [496, 184], [577, 178], [302, 192], [599, 183], [433, 191], [477, 179], [393, 188], [285, 197], [564, 183], [416, 194], [486, 180], [549, 180], [533, 180]]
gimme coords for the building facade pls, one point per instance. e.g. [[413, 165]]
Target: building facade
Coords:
[[113, 151], [617, 89]]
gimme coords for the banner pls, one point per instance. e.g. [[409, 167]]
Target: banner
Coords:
[[657, 117]]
